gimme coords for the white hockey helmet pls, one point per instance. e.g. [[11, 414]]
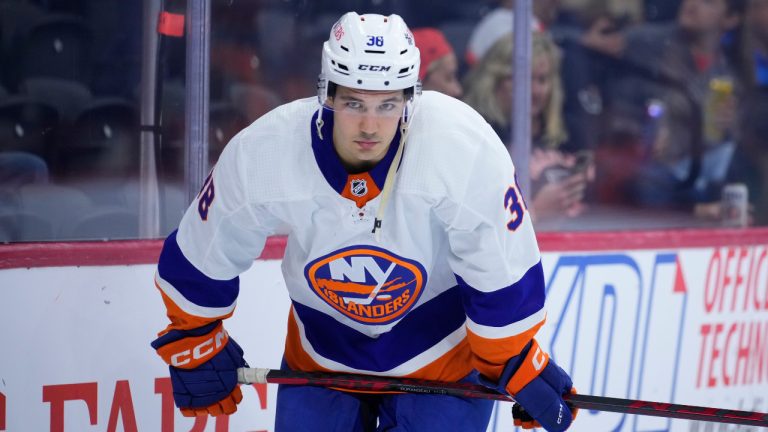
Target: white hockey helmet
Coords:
[[369, 52]]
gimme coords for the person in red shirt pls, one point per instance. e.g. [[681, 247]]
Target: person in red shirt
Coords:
[[439, 65]]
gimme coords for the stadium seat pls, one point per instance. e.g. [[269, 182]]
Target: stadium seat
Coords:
[[20, 168], [103, 223], [68, 96], [27, 124], [60, 206], [225, 121], [104, 140], [253, 100], [67, 6], [173, 203], [101, 190], [6, 233], [23, 226], [16, 18], [57, 45]]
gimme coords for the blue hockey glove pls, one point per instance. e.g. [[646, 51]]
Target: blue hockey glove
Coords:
[[541, 404], [203, 365], [538, 386]]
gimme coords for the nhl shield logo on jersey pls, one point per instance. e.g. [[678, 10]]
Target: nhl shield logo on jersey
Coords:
[[358, 187], [368, 284]]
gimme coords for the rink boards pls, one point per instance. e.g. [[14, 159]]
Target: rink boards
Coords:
[[672, 317]]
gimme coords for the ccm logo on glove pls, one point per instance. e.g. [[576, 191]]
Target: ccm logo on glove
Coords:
[[201, 351], [190, 352]]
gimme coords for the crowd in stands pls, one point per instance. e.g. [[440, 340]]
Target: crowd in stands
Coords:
[[646, 105]]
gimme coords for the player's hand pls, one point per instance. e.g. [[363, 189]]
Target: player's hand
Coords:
[[523, 419], [203, 365], [540, 403], [538, 385]]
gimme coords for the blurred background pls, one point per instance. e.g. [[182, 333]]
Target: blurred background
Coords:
[[645, 114]]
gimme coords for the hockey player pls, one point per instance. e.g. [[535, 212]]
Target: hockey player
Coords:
[[410, 252]]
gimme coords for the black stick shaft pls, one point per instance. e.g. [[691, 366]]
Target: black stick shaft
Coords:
[[664, 409], [376, 384]]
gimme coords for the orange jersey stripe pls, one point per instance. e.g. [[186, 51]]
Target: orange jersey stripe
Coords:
[[181, 320], [295, 356], [491, 355], [451, 366]]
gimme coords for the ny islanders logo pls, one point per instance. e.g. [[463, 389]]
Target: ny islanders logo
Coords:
[[368, 284]]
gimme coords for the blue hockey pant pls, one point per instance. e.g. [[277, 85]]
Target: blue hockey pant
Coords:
[[317, 409]]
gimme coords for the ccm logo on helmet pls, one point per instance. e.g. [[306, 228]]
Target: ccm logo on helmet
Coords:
[[374, 68], [200, 351]]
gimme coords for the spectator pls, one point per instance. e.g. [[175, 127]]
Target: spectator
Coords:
[[547, 16], [754, 110], [680, 76], [632, 10], [588, 36], [757, 45], [439, 65], [493, 26], [558, 184]]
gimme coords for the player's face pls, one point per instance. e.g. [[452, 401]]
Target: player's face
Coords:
[[364, 123]]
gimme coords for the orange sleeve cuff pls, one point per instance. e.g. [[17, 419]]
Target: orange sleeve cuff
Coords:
[[181, 320]]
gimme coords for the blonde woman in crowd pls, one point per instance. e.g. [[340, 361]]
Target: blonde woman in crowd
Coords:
[[559, 179]]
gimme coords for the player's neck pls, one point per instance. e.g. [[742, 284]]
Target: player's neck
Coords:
[[357, 167]]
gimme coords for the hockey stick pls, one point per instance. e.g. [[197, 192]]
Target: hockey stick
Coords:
[[466, 390]]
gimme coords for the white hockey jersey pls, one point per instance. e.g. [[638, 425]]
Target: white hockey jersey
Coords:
[[454, 283]]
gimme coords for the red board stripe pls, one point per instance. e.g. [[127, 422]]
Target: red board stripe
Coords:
[[658, 239], [103, 253], [126, 252]]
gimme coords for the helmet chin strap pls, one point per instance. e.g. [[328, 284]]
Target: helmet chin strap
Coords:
[[322, 96], [319, 122], [389, 181]]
